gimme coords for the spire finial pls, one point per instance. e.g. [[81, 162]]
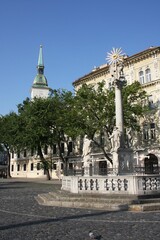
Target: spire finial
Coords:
[[40, 58], [40, 66]]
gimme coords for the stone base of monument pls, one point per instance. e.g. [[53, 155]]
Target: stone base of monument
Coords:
[[123, 161], [91, 198], [62, 198]]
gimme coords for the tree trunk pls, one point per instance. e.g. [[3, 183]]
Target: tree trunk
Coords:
[[9, 166], [8, 162], [45, 163], [66, 167], [48, 174]]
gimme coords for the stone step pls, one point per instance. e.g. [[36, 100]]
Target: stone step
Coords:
[[148, 201], [47, 200], [144, 207], [88, 198]]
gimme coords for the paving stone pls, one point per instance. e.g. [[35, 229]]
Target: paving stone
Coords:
[[22, 218]]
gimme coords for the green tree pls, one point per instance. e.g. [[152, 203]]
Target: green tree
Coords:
[[135, 105], [35, 115], [64, 125], [47, 122], [9, 134]]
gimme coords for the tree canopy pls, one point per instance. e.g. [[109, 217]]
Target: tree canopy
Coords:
[[96, 109]]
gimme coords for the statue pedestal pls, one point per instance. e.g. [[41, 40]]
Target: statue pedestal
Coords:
[[123, 161], [86, 170], [87, 165]]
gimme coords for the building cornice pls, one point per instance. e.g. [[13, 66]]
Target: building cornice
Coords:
[[152, 83], [102, 70]]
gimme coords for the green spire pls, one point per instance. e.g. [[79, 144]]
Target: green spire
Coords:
[[40, 80], [40, 66], [40, 58]]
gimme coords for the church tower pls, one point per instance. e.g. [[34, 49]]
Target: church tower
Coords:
[[40, 86]]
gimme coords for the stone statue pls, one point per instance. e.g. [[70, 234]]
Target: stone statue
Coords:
[[129, 137], [120, 70], [86, 154], [115, 139], [86, 146]]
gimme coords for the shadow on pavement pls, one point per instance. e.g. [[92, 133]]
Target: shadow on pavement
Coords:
[[52, 220]]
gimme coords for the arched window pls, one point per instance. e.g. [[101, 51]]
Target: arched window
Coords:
[[145, 132], [141, 77], [148, 75], [151, 164]]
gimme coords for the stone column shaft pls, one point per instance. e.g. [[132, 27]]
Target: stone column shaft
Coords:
[[119, 109]]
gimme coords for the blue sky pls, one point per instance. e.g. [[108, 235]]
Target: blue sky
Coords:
[[76, 36]]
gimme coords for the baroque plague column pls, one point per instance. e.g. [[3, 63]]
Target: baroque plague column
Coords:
[[122, 155]]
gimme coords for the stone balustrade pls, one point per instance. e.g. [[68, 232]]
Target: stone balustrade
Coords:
[[126, 184]]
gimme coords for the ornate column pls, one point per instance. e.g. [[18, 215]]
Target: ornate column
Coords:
[[121, 156]]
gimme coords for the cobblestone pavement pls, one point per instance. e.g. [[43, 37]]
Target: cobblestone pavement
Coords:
[[22, 218]]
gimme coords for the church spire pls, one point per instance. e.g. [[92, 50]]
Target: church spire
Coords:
[[40, 86], [40, 66]]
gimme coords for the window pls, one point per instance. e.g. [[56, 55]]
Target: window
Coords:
[[148, 75], [54, 166], [145, 133], [18, 154], [12, 168], [31, 166], [38, 151], [150, 102], [13, 154], [70, 166], [18, 167], [25, 153], [152, 129], [70, 147], [141, 77], [54, 149], [101, 136], [38, 166], [62, 147], [32, 152], [61, 166], [149, 131], [24, 167], [46, 150]]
